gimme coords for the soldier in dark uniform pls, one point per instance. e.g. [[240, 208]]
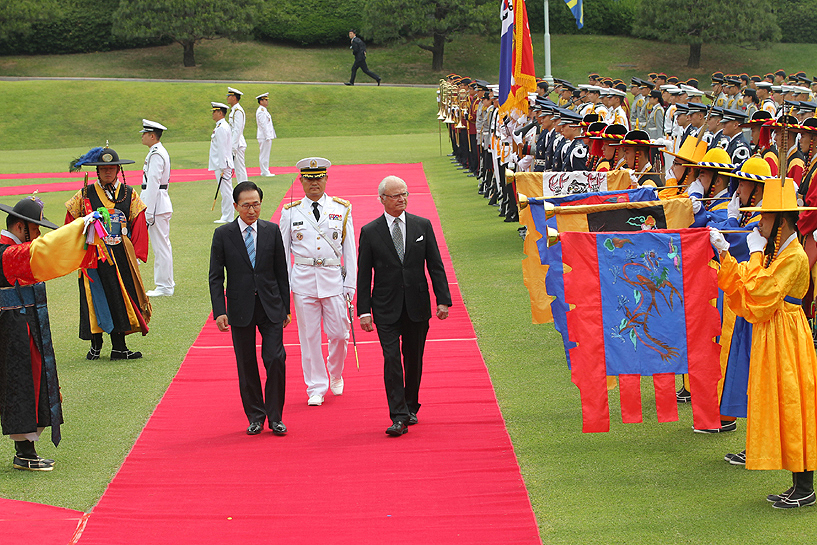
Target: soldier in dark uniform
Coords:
[[737, 146]]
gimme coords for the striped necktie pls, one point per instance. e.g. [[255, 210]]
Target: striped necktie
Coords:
[[248, 242]]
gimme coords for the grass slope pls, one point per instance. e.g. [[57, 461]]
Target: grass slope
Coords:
[[573, 57]]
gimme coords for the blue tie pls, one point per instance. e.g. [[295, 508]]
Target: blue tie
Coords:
[[248, 242]]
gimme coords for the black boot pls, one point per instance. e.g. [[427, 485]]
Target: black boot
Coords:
[[120, 350], [96, 347], [26, 458], [803, 493]]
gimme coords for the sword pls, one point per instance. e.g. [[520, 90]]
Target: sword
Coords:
[[350, 308], [218, 188]]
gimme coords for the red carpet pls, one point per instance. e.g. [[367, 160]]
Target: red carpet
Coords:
[[195, 477], [75, 183], [25, 522]]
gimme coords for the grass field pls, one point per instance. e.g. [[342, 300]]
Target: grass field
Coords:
[[573, 57], [647, 483]]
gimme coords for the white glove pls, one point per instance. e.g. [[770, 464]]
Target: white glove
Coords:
[[150, 219], [696, 204], [348, 293], [717, 240], [696, 188], [755, 241], [814, 234], [733, 208]]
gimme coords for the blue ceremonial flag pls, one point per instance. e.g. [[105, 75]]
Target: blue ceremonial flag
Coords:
[[577, 9], [505, 49]]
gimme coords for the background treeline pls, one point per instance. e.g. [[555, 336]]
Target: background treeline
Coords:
[[82, 26]]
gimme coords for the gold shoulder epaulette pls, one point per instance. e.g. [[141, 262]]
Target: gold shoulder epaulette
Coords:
[[290, 205], [344, 202]]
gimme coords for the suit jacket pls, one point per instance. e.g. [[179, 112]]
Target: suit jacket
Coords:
[[358, 49], [395, 283], [268, 279]]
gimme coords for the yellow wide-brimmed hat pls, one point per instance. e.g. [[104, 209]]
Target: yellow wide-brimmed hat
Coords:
[[778, 197]]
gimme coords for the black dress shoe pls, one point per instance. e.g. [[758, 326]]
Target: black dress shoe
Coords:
[[255, 428], [278, 428], [378, 83], [412, 419], [125, 355], [397, 429], [348, 83]]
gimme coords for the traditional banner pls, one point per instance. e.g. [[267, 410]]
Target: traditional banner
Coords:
[[642, 307], [554, 184]]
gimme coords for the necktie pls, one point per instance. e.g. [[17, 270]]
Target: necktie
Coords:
[[316, 211], [397, 237], [250, 246]]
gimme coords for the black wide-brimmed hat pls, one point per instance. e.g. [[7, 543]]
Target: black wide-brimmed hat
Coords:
[[98, 157], [29, 209]]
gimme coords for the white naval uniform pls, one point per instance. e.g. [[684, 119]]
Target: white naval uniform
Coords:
[[264, 135], [221, 162], [237, 121], [318, 290], [155, 179]]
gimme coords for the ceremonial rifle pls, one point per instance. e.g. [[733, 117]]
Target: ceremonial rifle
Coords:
[[350, 308]]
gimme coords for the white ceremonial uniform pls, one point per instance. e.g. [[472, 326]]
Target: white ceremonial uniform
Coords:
[[237, 121], [221, 162], [317, 283], [159, 210], [265, 136], [617, 116]]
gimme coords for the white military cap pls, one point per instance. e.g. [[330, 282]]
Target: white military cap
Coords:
[[236, 92], [668, 87], [151, 126], [800, 89], [313, 167], [787, 88], [262, 95], [219, 105], [777, 88], [692, 91], [616, 92], [763, 85]]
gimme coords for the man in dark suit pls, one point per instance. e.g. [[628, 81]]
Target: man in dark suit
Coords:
[[399, 247], [359, 51], [252, 251]]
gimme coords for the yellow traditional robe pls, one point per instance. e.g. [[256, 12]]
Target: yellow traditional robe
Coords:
[[781, 425]]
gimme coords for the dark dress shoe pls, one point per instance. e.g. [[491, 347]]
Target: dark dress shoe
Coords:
[[378, 83], [278, 428], [412, 419], [348, 83], [397, 429], [255, 428], [125, 355]]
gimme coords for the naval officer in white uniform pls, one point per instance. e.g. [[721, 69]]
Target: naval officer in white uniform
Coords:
[[237, 121], [155, 179], [221, 161], [265, 133], [319, 244]]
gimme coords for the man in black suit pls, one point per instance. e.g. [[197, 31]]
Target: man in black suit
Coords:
[[252, 251], [399, 247], [359, 51]]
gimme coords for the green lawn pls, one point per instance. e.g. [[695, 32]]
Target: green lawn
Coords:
[[647, 483], [573, 57]]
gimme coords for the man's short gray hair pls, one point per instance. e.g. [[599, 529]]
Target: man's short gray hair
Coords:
[[381, 189]]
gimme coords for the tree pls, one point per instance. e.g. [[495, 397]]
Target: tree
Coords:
[[17, 16], [696, 22], [419, 20], [186, 22]]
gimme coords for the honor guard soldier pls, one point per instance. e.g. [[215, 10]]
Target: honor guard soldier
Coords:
[[764, 96], [265, 133], [221, 161], [237, 121], [617, 115], [611, 157], [639, 152], [319, 244], [159, 210], [655, 119], [719, 98], [737, 146]]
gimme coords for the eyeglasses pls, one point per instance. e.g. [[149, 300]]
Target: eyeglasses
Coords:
[[248, 205], [404, 195]]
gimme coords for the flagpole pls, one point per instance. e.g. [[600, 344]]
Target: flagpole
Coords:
[[548, 75]]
